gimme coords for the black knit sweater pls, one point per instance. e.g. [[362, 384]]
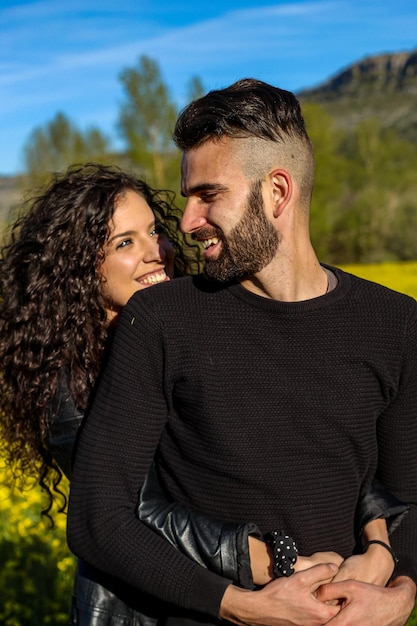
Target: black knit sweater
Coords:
[[270, 412]]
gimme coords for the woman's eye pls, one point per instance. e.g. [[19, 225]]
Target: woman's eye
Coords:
[[123, 243], [158, 230]]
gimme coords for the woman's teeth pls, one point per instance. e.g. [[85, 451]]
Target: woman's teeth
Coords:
[[153, 279]]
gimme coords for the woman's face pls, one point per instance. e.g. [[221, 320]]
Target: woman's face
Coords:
[[137, 254]]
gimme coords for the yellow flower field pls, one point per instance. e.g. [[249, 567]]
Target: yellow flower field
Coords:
[[399, 276], [37, 568]]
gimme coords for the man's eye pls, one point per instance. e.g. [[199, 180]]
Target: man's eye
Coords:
[[208, 197]]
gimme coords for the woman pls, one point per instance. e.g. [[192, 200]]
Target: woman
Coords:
[[83, 247], [87, 243]]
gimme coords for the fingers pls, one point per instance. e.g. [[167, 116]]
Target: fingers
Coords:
[[305, 562], [327, 557], [335, 591], [295, 600], [332, 557], [318, 575]]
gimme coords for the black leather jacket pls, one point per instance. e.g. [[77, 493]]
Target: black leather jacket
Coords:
[[100, 600]]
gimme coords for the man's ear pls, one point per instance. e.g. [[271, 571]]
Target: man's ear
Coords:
[[281, 185]]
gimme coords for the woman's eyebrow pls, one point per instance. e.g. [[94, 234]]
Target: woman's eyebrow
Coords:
[[117, 235], [130, 232]]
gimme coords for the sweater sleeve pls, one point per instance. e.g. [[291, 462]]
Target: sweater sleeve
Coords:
[[397, 452], [116, 446]]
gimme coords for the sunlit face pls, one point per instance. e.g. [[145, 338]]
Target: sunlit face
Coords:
[[248, 248], [226, 212], [137, 254]]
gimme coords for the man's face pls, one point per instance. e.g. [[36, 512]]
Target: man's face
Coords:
[[226, 213], [250, 246]]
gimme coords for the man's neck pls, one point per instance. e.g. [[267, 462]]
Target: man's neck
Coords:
[[289, 282]]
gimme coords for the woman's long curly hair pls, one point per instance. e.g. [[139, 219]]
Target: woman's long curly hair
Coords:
[[52, 310]]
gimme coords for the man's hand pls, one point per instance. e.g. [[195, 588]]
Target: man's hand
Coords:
[[283, 602], [363, 603]]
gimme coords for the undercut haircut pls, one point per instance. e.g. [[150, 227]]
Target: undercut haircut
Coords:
[[252, 109]]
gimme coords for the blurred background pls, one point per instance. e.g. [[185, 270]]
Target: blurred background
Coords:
[[97, 80]]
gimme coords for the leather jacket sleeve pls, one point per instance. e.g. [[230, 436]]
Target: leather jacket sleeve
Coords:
[[220, 547], [223, 548], [66, 422], [377, 503]]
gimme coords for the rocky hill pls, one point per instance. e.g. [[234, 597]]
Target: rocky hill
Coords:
[[383, 74], [383, 86]]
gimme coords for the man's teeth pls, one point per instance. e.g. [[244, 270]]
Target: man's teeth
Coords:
[[153, 279], [209, 242]]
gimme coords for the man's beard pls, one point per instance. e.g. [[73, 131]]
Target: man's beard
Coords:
[[251, 245]]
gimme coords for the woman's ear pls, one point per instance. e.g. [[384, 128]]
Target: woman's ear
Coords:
[[281, 185]]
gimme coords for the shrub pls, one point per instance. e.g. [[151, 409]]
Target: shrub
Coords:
[[37, 570]]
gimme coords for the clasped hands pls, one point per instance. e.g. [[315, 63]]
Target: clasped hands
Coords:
[[325, 589], [362, 595]]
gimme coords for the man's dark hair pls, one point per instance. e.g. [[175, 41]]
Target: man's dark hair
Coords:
[[248, 108]]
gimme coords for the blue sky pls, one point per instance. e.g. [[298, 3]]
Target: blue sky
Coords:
[[67, 55]]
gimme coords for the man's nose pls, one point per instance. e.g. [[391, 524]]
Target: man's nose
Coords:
[[194, 216]]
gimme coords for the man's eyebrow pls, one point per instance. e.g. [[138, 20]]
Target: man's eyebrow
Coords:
[[204, 187]]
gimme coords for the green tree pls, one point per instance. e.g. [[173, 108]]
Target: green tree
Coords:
[[380, 198], [146, 122], [330, 176], [60, 143], [363, 208]]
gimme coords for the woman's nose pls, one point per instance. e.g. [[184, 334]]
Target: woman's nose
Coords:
[[154, 250]]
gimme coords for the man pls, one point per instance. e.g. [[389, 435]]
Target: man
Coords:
[[273, 389]]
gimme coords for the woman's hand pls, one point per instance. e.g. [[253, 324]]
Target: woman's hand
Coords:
[[261, 561], [305, 562], [375, 566]]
